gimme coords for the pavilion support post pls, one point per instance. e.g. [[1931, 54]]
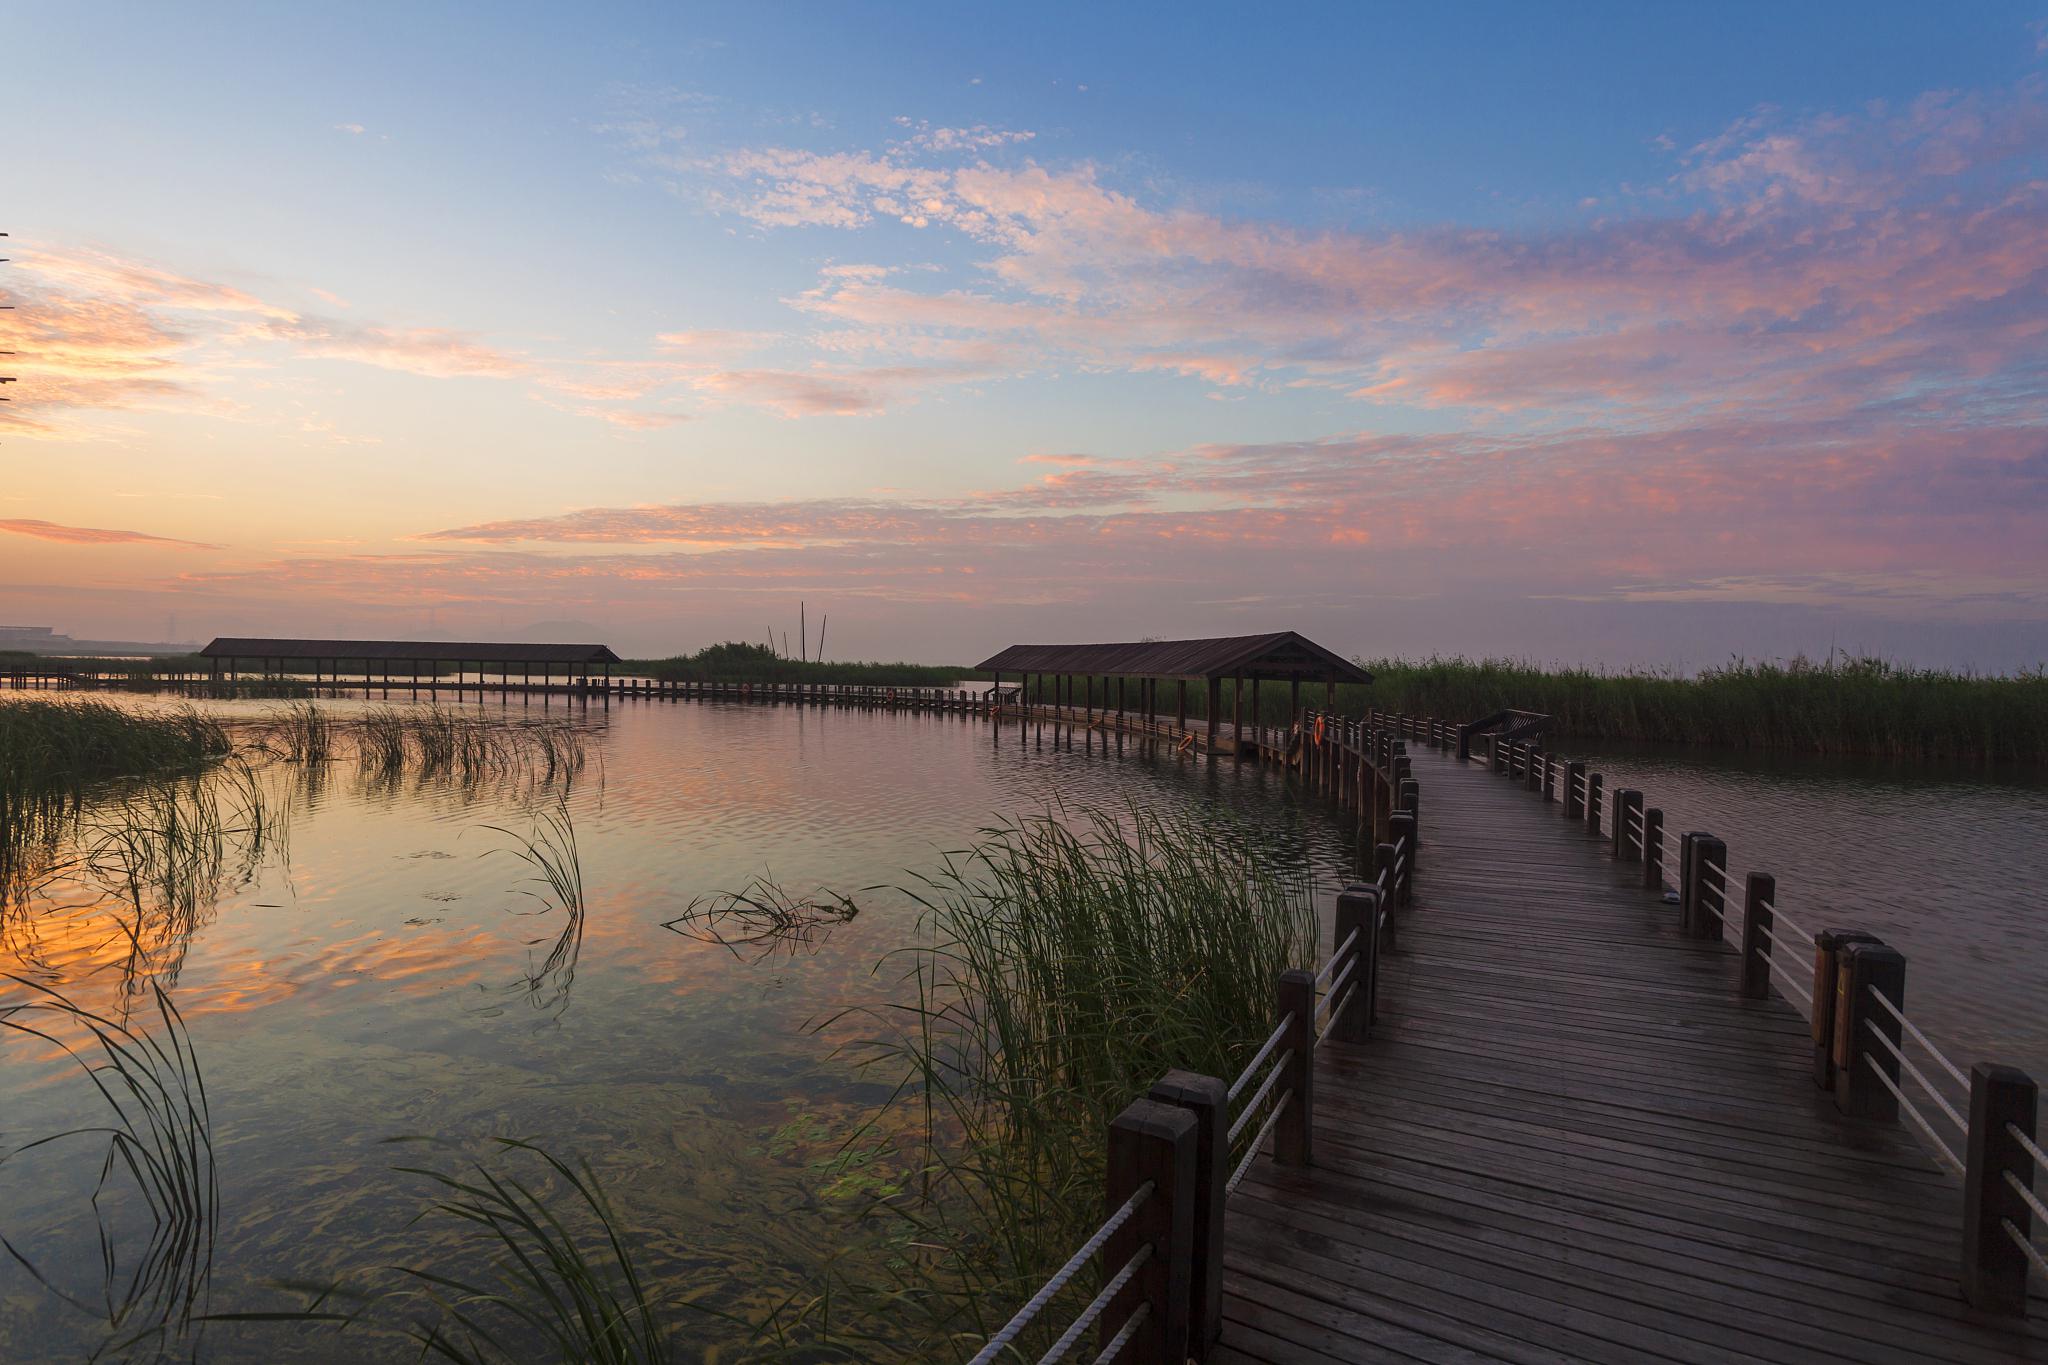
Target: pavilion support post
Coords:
[[1294, 705], [1237, 717], [1258, 722], [1180, 712], [1215, 709]]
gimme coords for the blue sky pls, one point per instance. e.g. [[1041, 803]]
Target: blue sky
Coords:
[[387, 275]]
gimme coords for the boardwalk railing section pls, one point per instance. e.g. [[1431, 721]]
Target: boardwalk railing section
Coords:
[[1174, 1157], [1978, 1126]]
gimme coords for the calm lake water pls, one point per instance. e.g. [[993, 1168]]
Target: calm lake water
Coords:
[[388, 976], [379, 981]]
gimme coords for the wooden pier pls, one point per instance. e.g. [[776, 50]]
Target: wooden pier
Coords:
[[1538, 1105], [1571, 1138]]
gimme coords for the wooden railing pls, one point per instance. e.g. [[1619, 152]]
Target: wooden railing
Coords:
[[1173, 1157], [1852, 991]]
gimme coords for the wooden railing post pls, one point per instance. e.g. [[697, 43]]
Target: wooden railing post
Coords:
[[1208, 1100], [1537, 770], [1294, 1134], [1827, 947], [1627, 801], [1699, 887], [1150, 1141], [1861, 968], [1574, 793], [1383, 860], [1653, 848], [1401, 832], [1358, 910], [1759, 892], [1994, 1269]]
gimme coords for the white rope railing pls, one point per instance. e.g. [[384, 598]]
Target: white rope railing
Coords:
[[2033, 1252], [1336, 986], [1124, 1334], [2033, 1201], [1251, 1152], [1265, 1050], [2040, 1157], [1058, 1350], [1338, 956], [1917, 1074], [1051, 1288], [1786, 980], [1331, 1023], [1780, 917], [1252, 1106], [1939, 1148], [1923, 1040]]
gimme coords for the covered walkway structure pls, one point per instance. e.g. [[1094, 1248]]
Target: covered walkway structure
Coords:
[[1065, 676], [405, 661]]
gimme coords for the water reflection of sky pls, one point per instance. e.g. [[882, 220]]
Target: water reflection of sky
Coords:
[[378, 981]]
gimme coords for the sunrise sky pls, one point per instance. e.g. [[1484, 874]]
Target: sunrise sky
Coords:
[[1625, 334]]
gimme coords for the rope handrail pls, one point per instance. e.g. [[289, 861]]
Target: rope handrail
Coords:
[[1059, 1349], [1780, 917], [1635, 816], [2033, 1252], [1940, 1150], [2033, 1150], [2033, 1201], [1788, 981], [1265, 1050], [1338, 955], [1337, 985], [1921, 1039], [1251, 1153], [1329, 1025], [1053, 1286], [1259, 1099], [1917, 1074], [1124, 1334]]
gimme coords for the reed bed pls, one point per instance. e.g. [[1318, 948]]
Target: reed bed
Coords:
[[1065, 965], [733, 662], [158, 1133], [428, 740], [1840, 706], [54, 755]]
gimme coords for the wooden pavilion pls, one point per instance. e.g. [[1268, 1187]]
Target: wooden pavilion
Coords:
[[1282, 656]]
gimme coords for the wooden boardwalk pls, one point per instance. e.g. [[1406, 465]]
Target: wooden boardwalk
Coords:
[[1570, 1139]]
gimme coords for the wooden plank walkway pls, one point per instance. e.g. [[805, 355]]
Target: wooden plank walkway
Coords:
[[1570, 1139]]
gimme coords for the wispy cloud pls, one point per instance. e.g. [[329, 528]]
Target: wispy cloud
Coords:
[[90, 535]]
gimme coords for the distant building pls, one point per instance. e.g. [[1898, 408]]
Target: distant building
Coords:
[[46, 640]]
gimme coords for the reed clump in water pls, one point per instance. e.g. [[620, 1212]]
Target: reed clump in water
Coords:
[[158, 1136], [560, 1280], [56, 754], [1066, 966], [762, 919], [557, 884], [429, 741]]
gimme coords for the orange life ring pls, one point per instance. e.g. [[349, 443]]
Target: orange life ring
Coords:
[[1319, 729]]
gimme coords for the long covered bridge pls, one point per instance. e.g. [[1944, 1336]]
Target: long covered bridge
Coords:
[[409, 662], [1063, 679]]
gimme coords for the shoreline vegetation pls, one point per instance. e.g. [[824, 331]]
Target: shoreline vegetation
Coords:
[[1842, 707], [734, 662]]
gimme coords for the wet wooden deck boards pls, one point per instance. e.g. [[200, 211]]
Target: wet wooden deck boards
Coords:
[[1571, 1140]]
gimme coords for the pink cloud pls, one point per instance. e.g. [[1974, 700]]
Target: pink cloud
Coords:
[[89, 535]]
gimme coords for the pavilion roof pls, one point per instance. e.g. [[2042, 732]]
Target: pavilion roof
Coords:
[[1281, 654]]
